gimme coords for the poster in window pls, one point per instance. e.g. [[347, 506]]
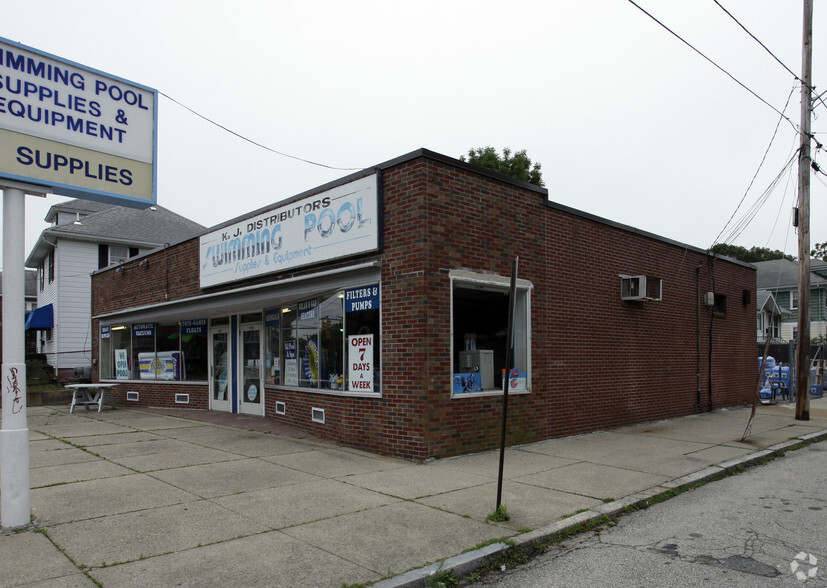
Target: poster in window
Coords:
[[291, 364], [467, 383], [121, 365], [360, 358]]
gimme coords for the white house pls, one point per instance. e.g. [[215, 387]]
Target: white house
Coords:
[[85, 236]]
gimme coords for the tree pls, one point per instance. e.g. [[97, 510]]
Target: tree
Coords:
[[751, 255], [820, 252], [518, 165]]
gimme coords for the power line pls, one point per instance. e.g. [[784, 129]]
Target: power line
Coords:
[[818, 98], [760, 165], [699, 52], [750, 214], [792, 73], [243, 138]]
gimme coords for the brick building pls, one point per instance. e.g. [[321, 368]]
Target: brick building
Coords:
[[373, 311]]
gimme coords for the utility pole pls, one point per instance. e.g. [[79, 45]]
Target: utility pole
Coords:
[[802, 396]]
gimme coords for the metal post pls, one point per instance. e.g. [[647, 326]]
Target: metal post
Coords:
[[509, 363], [15, 510]]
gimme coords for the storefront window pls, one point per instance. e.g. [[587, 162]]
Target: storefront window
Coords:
[[331, 336], [154, 351], [314, 345], [308, 343], [194, 341], [272, 346], [290, 357], [106, 355], [330, 342], [362, 331], [143, 351], [121, 349], [480, 338]]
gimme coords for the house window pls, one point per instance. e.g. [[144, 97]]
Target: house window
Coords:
[[761, 323], [479, 337], [114, 254], [794, 300], [42, 269], [51, 265], [118, 254]]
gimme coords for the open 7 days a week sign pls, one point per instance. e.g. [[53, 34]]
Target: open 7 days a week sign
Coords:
[[360, 358]]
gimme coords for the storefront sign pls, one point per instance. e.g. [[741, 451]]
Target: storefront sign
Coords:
[[121, 364], [291, 364], [272, 317], [105, 332], [77, 131], [194, 327], [360, 362], [340, 222], [366, 298], [308, 309], [143, 330]]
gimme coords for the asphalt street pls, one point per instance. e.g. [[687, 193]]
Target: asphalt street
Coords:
[[763, 527]]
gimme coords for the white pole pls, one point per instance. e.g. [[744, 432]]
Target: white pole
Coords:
[[15, 509]]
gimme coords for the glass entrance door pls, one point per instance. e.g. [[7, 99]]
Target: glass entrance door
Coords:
[[251, 373], [221, 394]]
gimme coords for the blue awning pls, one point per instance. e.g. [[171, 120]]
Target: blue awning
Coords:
[[41, 318]]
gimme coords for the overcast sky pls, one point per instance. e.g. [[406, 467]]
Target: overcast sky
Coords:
[[627, 121]]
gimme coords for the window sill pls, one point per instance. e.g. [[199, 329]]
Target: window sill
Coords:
[[490, 393], [176, 382]]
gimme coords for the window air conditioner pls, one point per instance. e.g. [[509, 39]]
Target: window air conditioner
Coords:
[[640, 288]]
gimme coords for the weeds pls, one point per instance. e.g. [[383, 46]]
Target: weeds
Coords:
[[499, 515]]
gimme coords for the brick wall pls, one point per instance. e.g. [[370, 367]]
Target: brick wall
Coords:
[[597, 362]]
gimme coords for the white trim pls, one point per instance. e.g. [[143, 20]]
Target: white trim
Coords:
[[500, 283], [157, 382], [483, 278]]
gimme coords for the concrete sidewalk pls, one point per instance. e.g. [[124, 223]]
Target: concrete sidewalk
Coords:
[[133, 497]]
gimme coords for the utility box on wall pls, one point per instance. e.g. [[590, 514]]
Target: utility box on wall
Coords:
[[479, 360]]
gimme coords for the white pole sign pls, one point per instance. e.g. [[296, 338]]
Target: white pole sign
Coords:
[[360, 357], [75, 130]]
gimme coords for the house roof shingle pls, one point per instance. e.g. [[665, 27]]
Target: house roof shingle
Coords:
[[150, 227], [781, 274]]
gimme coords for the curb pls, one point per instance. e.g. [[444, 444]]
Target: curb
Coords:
[[465, 563]]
